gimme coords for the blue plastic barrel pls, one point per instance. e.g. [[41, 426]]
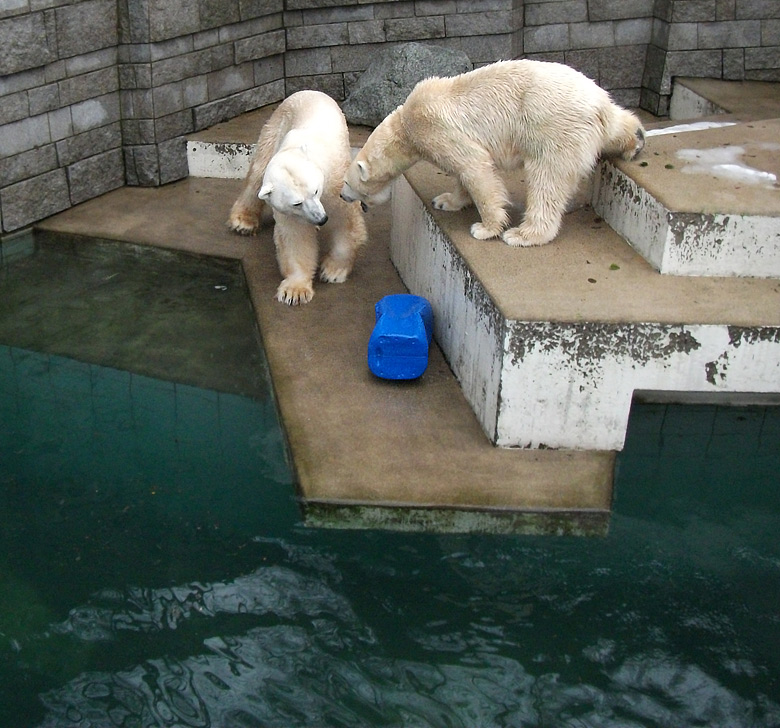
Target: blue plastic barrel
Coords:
[[398, 347]]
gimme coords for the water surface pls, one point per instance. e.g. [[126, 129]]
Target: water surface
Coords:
[[154, 570]]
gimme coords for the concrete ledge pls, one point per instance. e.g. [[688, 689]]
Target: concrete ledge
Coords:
[[696, 97], [704, 202], [549, 344], [366, 452], [225, 160]]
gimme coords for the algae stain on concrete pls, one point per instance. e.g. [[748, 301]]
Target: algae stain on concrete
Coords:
[[584, 347]]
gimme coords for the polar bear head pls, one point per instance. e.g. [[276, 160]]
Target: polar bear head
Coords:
[[359, 184], [386, 154], [293, 185]]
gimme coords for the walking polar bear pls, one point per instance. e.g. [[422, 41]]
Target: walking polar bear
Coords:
[[545, 116], [297, 169]]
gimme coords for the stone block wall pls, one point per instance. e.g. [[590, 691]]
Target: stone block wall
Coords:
[[95, 94], [330, 43], [99, 93], [60, 122], [604, 39], [184, 66], [735, 40]]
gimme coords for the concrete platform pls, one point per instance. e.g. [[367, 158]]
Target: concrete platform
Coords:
[[742, 100], [550, 344], [700, 201], [547, 345], [367, 452]]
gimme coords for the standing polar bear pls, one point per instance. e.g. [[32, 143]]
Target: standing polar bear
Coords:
[[297, 168], [545, 116]]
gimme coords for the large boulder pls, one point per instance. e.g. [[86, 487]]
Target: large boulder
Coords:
[[387, 81]]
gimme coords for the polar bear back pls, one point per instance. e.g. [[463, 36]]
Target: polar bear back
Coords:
[[314, 123], [516, 108]]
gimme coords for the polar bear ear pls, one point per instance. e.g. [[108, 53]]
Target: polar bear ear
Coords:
[[363, 169], [265, 191]]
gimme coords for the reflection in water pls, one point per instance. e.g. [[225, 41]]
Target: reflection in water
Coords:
[[273, 590], [403, 630], [331, 672], [672, 620]]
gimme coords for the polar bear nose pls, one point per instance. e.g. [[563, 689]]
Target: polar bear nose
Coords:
[[322, 220], [347, 194]]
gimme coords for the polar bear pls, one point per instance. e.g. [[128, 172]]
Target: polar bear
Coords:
[[545, 116], [297, 169]]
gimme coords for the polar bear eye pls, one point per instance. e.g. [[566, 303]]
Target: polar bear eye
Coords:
[[297, 204]]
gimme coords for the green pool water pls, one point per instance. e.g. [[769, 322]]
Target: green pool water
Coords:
[[154, 570]]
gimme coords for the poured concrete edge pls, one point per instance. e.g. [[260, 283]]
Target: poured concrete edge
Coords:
[[703, 96], [496, 521], [359, 444], [687, 243], [701, 200], [563, 375], [689, 103], [226, 160]]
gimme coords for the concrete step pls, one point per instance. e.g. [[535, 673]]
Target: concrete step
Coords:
[[694, 98], [224, 150], [703, 199], [551, 344]]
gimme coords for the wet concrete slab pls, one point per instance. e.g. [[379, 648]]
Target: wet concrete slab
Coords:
[[367, 452]]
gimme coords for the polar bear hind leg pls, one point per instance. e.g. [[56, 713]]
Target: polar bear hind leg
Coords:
[[477, 181], [346, 231], [550, 186], [296, 254]]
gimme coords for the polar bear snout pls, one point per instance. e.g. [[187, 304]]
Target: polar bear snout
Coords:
[[348, 194], [314, 212], [318, 219]]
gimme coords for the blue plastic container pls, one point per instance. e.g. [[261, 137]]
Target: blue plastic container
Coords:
[[398, 347]]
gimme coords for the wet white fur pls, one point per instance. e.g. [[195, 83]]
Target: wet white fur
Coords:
[[297, 168], [545, 116]]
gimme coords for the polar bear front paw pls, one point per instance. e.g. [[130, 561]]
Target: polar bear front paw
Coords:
[[294, 292], [243, 224], [480, 231], [450, 202], [332, 271]]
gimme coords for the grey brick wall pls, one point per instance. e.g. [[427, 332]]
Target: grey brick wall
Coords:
[[95, 94], [99, 93], [731, 39]]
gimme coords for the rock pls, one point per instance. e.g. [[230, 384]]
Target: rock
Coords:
[[386, 83]]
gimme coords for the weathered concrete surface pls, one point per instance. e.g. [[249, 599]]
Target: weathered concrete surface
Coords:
[[550, 343], [367, 452], [703, 202], [225, 150], [694, 97]]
